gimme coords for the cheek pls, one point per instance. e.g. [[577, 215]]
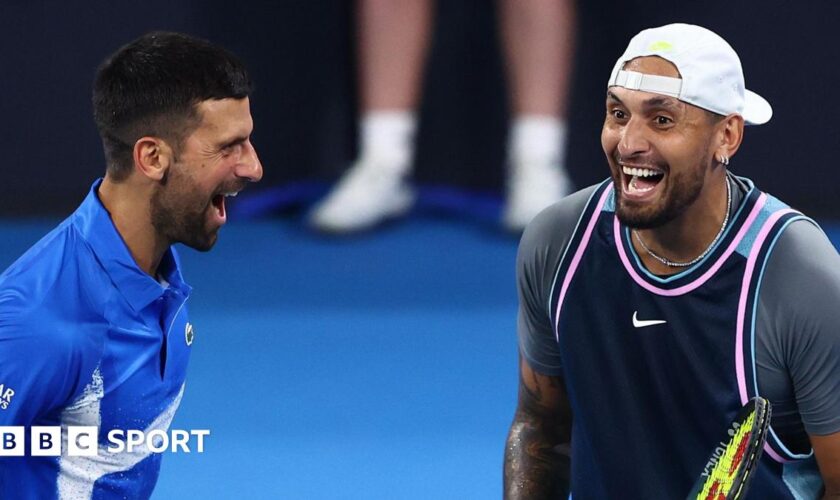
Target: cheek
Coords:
[[609, 140], [188, 194], [204, 181], [215, 174], [691, 148], [686, 159]]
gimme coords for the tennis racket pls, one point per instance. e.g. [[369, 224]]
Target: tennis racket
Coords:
[[729, 469]]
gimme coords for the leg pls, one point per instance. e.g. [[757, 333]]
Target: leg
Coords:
[[393, 36], [538, 37]]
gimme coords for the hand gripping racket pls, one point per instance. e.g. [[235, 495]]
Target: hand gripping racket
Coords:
[[729, 469]]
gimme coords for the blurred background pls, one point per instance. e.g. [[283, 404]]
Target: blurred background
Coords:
[[302, 59], [381, 365]]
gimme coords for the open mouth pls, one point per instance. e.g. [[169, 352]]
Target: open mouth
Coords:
[[639, 181], [218, 202], [219, 205]]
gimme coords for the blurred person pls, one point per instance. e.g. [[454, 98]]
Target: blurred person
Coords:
[[393, 37], [657, 303], [94, 329]]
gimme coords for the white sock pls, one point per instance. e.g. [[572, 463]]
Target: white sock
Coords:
[[386, 139], [537, 139]]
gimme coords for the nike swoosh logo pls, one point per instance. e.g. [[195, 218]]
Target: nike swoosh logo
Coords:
[[645, 322]]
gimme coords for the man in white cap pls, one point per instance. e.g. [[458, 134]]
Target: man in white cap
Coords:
[[657, 303]]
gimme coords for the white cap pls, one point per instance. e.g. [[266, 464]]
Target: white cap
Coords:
[[711, 72]]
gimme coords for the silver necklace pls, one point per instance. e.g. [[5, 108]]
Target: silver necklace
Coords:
[[671, 263]]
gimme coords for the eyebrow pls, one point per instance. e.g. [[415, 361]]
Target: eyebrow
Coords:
[[233, 142], [668, 103], [614, 97], [653, 103]]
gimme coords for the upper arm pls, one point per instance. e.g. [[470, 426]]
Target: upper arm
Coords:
[[544, 398], [35, 368], [540, 253], [805, 278], [803, 299], [543, 403]]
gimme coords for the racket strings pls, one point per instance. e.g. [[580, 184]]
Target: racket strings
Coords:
[[725, 473], [730, 468]]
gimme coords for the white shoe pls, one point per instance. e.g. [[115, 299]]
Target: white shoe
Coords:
[[368, 194], [533, 186]]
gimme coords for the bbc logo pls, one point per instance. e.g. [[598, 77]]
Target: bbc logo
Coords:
[[45, 441], [48, 441]]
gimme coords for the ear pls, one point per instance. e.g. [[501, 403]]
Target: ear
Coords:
[[152, 157], [730, 133]]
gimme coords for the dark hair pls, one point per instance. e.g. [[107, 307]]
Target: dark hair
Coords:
[[152, 85]]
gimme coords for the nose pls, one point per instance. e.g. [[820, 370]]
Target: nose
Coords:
[[249, 166], [633, 140]]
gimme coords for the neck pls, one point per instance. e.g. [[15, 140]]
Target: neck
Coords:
[[689, 235], [128, 205]]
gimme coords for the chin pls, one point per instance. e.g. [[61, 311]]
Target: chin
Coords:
[[207, 245], [647, 217], [203, 243], [203, 248], [634, 216], [635, 220]]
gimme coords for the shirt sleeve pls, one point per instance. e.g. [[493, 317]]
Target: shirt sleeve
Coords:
[[800, 301], [37, 362], [540, 251]]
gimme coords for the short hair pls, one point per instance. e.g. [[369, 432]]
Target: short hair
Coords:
[[152, 85]]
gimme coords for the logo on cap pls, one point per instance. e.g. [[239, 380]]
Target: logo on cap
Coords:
[[661, 46]]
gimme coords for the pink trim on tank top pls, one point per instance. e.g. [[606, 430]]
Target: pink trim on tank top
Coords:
[[577, 258], [742, 312], [762, 199]]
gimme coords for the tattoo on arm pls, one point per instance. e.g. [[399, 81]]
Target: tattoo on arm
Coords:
[[537, 461]]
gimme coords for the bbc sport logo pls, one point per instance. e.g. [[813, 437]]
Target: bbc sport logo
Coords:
[[50, 441]]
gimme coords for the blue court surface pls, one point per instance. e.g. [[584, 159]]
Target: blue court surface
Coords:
[[381, 366]]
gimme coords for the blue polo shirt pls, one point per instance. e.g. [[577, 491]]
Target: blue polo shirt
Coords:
[[89, 339]]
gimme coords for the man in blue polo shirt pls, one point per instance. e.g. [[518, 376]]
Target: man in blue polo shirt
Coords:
[[93, 318]]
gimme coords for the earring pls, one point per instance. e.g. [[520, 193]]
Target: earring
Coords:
[[723, 159]]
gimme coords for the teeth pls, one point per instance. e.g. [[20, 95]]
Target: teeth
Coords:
[[636, 189], [640, 172], [231, 194]]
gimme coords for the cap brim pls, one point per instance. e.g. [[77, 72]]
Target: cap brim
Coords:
[[757, 110]]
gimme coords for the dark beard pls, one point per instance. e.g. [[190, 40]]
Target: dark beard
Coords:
[[683, 191], [179, 214]]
